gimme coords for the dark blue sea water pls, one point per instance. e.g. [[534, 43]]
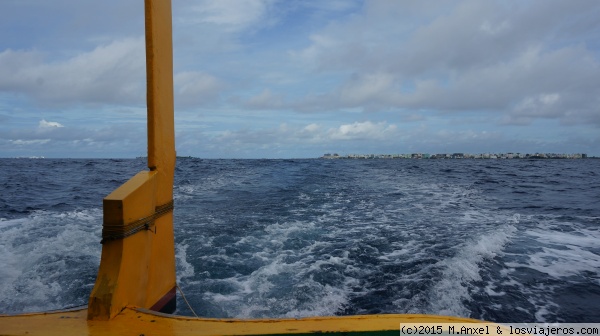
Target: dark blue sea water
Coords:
[[500, 240]]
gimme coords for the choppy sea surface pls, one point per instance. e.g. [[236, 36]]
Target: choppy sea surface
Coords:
[[500, 240]]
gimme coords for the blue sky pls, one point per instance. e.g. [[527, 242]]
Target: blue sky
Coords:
[[296, 79]]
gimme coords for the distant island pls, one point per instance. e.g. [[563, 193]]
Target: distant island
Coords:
[[457, 156]]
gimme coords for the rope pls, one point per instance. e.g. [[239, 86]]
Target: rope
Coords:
[[114, 232], [73, 307], [184, 299]]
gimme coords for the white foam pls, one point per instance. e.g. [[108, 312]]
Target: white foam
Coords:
[[283, 286], [32, 250], [563, 254], [491, 292], [184, 269], [330, 301], [283, 274], [304, 197], [544, 310], [448, 295], [407, 250]]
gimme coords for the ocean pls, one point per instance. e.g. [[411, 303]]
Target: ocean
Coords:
[[499, 240]]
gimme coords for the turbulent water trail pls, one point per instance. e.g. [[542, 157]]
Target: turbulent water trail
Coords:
[[507, 241]]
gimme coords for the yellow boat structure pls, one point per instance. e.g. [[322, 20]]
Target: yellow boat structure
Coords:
[[136, 278]]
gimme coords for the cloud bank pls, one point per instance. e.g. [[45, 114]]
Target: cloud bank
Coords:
[[278, 78]]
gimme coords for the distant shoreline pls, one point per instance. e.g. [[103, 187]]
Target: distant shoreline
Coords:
[[462, 156], [375, 157]]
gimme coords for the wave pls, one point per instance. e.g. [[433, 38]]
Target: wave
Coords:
[[49, 259]]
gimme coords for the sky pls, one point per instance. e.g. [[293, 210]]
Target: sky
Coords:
[[298, 79]]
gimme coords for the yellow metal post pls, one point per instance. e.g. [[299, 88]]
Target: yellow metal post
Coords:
[[161, 141], [137, 266]]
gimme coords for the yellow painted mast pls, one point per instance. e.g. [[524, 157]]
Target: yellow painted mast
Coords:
[[137, 266], [161, 145]]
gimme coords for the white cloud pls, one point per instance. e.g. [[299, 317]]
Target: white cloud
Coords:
[[330, 5], [361, 90], [232, 15], [465, 65], [313, 134], [50, 140], [362, 130], [194, 88], [474, 56], [49, 124], [265, 100], [494, 28], [29, 142], [112, 73], [539, 105], [321, 44], [311, 128]]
